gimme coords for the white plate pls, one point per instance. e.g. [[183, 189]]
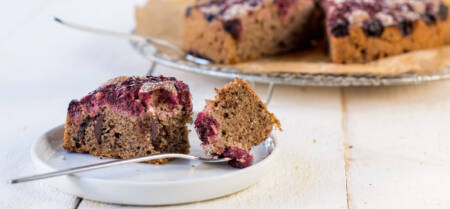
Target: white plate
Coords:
[[179, 181]]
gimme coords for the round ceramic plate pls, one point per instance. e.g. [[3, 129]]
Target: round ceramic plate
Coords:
[[180, 181], [202, 66]]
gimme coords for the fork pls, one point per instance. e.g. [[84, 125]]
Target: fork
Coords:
[[133, 37], [114, 163]]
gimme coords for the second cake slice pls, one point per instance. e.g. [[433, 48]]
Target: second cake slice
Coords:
[[234, 122]]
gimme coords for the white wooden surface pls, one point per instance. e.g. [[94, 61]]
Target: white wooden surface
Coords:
[[401, 142], [342, 148]]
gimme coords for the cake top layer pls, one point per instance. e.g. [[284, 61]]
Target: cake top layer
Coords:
[[377, 14], [231, 9], [228, 9], [134, 95]]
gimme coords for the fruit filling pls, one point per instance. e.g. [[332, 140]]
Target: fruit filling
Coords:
[[206, 127], [134, 96], [240, 158]]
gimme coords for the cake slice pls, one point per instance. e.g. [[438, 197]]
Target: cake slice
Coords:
[[365, 30], [234, 122], [131, 117], [231, 31]]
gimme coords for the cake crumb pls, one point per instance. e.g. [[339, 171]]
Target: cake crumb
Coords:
[[100, 157], [314, 141], [193, 166], [350, 146]]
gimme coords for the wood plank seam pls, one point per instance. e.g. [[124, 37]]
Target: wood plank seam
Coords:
[[77, 203], [345, 142]]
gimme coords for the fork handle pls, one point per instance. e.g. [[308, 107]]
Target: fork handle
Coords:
[[98, 166], [121, 35]]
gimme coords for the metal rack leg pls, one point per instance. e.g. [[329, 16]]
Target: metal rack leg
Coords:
[[269, 93], [152, 68]]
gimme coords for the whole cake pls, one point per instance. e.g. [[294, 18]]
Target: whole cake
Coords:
[[131, 117], [234, 122], [230, 31], [365, 30], [358, 31]]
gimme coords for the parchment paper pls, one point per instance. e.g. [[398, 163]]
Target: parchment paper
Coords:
[[164, 19]]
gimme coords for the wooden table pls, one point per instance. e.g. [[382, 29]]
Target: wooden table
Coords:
[[356, 148]]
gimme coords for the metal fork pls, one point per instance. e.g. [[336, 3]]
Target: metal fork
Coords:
[[114, 163], [134, 37]]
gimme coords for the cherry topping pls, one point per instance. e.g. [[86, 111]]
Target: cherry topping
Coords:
[[234, 27], [373, 28], [240, 158], [443, 11], [206, 126], [74, 109], [340, 28], [428, 18], [188, 11], [406, 27]]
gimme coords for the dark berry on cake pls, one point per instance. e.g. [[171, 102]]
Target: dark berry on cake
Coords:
[[240, 158], [406, 27], [234, 27], [206, 127], [188, 11], [131, 117], [234, 122], [209, 17], [340, 28], [429, 19], [373, 28], [443, 11]]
